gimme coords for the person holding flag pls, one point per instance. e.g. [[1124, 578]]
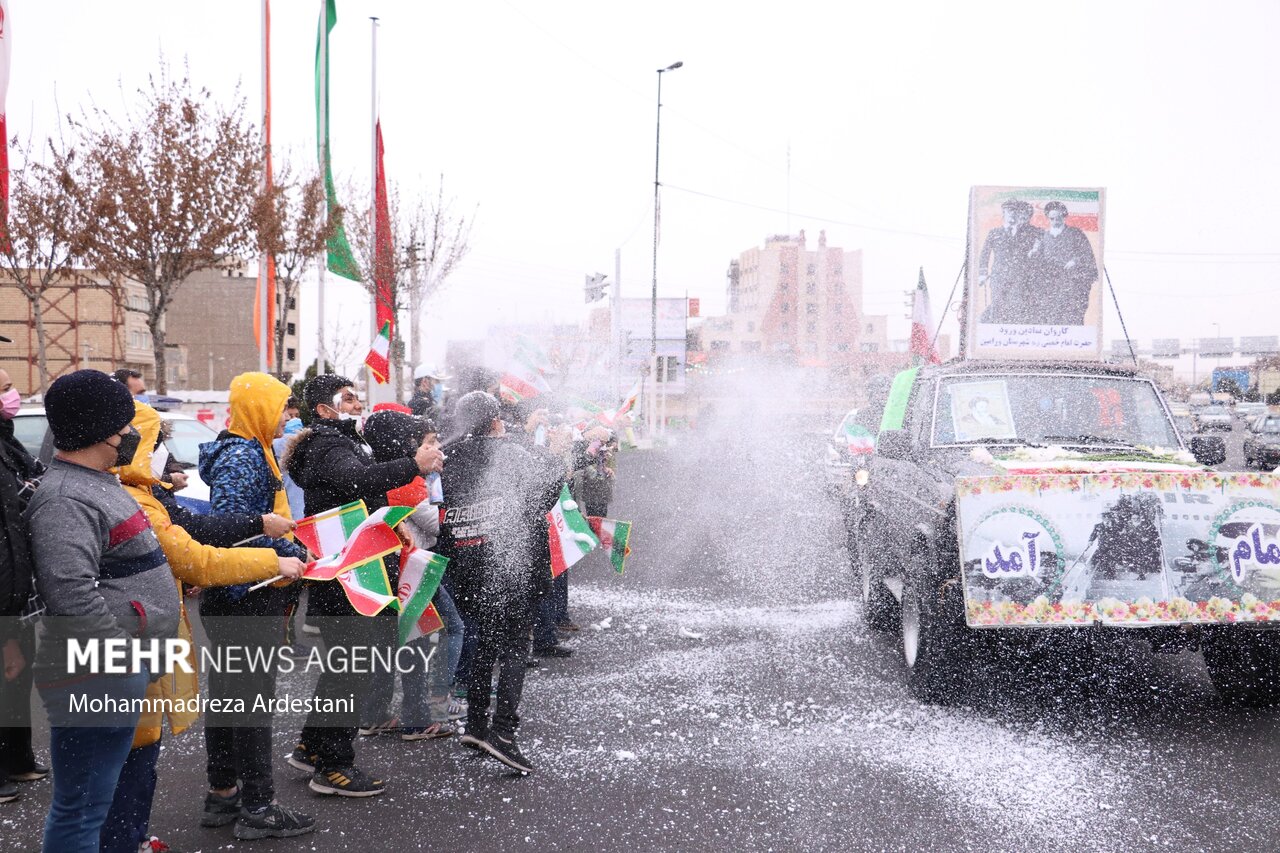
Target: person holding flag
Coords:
[[244, 477], [495, 493], [334, 467]]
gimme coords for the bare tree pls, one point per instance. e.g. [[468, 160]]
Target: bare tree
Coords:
[[293, 227], [174, 189], [46, 233]]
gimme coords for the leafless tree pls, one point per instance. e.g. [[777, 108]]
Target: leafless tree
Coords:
[[46, 233], [173, 190], [293, 228]]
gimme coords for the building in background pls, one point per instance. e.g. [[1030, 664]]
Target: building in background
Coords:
[[212, 317], [84, 328]]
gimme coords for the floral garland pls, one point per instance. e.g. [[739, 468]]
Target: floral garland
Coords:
[[1034, 483], [1055, 453], [1145, 610]]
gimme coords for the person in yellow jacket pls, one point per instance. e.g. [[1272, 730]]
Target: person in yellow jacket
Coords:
[[126, 827]]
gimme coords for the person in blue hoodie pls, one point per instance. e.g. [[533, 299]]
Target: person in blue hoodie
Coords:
[[244, 477]]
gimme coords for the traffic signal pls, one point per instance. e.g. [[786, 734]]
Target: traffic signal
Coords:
[[595, 287]]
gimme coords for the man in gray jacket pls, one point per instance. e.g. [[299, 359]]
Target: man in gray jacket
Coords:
[[103, 577]]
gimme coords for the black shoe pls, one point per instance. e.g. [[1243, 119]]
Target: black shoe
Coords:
[[9, 792], [346, 782], [532, 663], [556, 651], [37, 772], [274, 821], [472, 742], [220, 810], [506, 751], [302, 759]]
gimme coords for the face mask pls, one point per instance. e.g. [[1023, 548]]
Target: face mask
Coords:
[[437, 393], [10, 401], [159, 457], [143, 397], [127, 447]]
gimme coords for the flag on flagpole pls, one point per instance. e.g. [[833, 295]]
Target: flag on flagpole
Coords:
[[379, 358], [420, 574], [922, 348], [6, 41], [629, 402], [264, 328], [339, 259], [569, 534], [859, 439], [383, 249], [614, 535]]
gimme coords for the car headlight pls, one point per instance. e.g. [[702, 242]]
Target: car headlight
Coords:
[[862, 476]]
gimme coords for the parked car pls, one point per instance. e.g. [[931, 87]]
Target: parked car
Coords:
[[1262, 445], [1212, 416], [1007, 497], [31, 427], [1248, 411]]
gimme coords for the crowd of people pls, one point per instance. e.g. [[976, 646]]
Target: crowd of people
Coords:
[[96, 548]]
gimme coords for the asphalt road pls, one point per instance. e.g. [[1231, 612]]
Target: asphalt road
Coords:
[[725, 695]]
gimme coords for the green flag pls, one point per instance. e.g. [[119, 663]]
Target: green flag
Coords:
[[340, 261]]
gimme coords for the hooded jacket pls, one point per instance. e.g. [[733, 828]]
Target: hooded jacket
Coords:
[[243, 476], [334, 467], [190, 562]]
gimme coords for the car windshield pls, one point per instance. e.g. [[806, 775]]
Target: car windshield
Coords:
[[30, 430], [1050, 409], [1270, 426], [184, 443]]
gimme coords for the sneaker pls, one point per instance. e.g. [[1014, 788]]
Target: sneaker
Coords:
[[274, 821], [385, 727], [220, 810], [346, 782], [506, 751], [9, 792], [37, 772], [457, 709], [431, 732], [310, 629], [302, 759], [472, 742], [567, 625], [155, 845], [556, 651]]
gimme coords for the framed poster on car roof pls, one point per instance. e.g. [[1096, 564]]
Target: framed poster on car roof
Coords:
[[1033, 287]]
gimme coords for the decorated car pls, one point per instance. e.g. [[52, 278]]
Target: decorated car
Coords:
[[1047, 495]]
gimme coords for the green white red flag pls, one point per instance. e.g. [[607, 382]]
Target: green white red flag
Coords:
[[922, 349], [420, 574], [379, 358], [629, 402], [339, 259], [362, 541], [569, 534], [383, 248], [614, 536]]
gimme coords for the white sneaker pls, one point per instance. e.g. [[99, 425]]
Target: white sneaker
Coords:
[[310, 629], [457, 708]]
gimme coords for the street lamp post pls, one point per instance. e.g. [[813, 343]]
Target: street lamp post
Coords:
[[653, 298]]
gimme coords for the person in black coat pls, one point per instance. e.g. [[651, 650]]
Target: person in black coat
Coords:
[[19, 474], [333, 466]]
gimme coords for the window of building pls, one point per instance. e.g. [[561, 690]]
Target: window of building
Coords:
[[811, 328], [842, 347], [751, 346], [293, 303], [811, 287], [871, 328], [290, 354], [719, 346], [785, 307], [811, 269], [870, 347], [811, 308], [837, 309], [837, 326], [751, 325], [290, 329]]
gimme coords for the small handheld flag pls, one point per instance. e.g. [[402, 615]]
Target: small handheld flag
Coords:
[[614, 535], [569, 535]]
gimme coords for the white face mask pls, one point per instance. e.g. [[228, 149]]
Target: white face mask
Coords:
[[159, 458]]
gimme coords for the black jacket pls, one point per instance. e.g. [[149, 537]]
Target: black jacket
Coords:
[[221, 530], [17, 580], [424, 406], [333, 466], [494, 529]]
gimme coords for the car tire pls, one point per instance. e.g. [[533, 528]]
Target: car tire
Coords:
[[933, 642], [879, 607], [1244, 666]]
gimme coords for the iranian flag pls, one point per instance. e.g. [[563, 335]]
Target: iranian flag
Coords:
[[523, 377], [420, 574], [614, 535], [325, 533], [569, 534], [629, 402], [859, 439], [362, 541], [378, 359], [581, 412], [922, 348], [339, 258]]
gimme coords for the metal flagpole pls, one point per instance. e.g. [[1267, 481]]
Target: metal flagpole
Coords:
[[324, 175], [373, 389], [265, 308], [617, 323]]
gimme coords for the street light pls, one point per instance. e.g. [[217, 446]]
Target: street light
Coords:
[[657, 150]]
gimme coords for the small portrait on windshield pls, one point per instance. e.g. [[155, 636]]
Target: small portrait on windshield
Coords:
[[981, 410]]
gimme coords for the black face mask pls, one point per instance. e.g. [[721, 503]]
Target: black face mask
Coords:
[[127, 447]]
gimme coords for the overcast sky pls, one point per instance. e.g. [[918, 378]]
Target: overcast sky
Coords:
[[541, 117]]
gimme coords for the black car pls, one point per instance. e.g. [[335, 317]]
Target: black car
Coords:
[[944, 422], [1262, 447]]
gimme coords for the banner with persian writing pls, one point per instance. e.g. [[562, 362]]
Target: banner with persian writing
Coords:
[[1132, 548], [1033, 286]]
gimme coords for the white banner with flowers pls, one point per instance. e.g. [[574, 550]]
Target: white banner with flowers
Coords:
[[1131, 548]]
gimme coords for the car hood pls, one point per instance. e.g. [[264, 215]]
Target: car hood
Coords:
[[988, 462]]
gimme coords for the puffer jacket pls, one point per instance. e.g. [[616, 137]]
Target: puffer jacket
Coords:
[[241, 482], [334, 467], [190, 562]]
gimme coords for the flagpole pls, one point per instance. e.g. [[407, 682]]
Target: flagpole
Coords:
[[264, 308], [324, 173], [372, 386]]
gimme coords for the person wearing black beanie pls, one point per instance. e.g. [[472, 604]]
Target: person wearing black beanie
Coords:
[[86, 407]]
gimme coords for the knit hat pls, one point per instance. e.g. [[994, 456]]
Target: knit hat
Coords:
[[475, 413], [393, 435], [86, 407], [321, 389]]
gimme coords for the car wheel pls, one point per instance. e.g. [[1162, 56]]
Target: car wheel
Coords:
[[933, 644], [1244, 666], [879, 607]]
